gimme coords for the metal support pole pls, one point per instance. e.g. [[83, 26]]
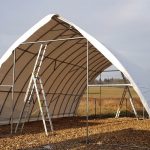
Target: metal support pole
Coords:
[[2, 85], [131, 98], [87, 99], [100, 97], [30, 81], [110, 85], [126, 106], [95, 106], [131, 102], [13, 82], [55, 40], [143, 113], [121, 103]]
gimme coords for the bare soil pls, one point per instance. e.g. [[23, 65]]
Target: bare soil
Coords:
[[70, 134]]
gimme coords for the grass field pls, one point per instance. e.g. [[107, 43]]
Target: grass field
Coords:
[[108, 92], [105, 102]]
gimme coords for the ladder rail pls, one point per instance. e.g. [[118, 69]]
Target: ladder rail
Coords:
[[28, 88], [47, 110], [121, 103], [35, 66], [37, 59], [132, 104], [38, 97], [31, 93], [20, 117], [25, 118], [131, 98], [33, 85], [40, 63], [31, 79]]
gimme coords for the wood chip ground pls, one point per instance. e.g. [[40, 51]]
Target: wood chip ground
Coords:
[[70, 134]]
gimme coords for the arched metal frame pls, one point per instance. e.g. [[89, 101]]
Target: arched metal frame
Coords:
[[72, 64], [95, 68]]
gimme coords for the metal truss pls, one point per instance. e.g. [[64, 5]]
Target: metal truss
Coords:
[[83, 69]]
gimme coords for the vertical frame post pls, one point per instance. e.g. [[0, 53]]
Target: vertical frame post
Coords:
[[95, 106], [132, 104], [100, 97], [12, 88], [143, 113], [87, 96], [126, 106]]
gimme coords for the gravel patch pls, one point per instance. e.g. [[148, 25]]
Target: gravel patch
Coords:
[[70, 134]]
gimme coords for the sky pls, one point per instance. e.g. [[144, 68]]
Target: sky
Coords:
[[123, 26]]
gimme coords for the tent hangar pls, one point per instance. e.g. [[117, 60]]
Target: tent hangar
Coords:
[[71, 59]]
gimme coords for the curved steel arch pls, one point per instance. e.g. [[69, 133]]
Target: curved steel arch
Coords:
[[64, 77]]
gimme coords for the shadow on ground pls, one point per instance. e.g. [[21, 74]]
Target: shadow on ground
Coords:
[[37, 126], [66, 123], [127, 139]]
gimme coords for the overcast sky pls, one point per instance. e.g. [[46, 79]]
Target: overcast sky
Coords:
[[123, 26]]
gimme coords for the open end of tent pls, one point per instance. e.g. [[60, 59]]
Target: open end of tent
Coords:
[[63, 70]]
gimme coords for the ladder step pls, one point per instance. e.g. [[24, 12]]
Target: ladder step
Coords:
[[47, 120], [25, 111], [43, 106], [37, 85], [38, 67], [42, 100], [27, 106]]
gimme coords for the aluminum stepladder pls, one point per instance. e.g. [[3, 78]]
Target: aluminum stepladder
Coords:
[[36, 86], [126, 89]]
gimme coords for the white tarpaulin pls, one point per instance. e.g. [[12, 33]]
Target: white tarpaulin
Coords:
[[63, 71]]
